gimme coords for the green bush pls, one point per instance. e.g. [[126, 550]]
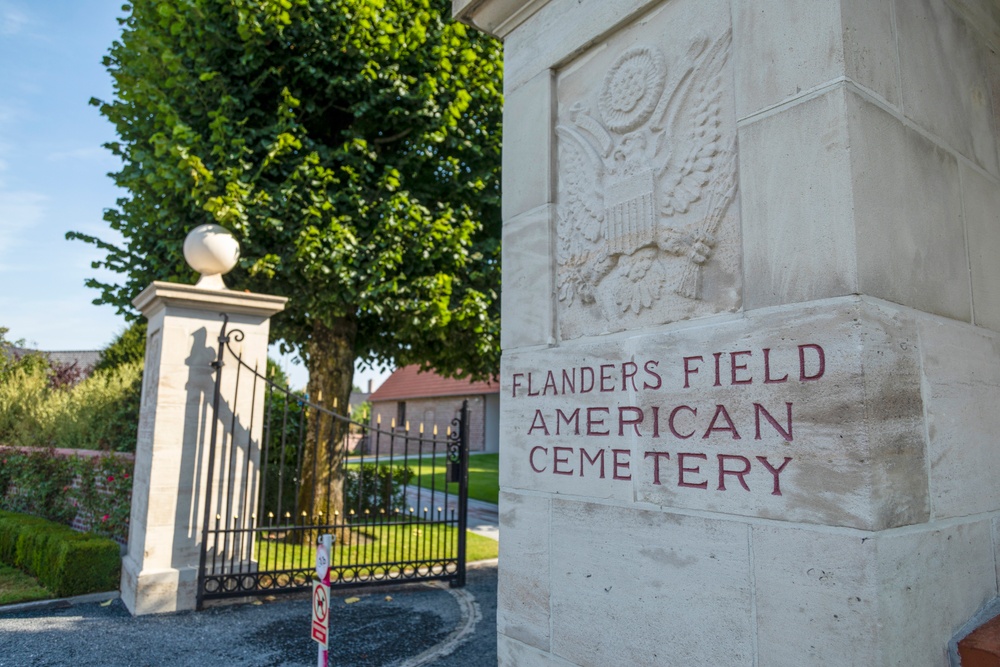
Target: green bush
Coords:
[[104, 493], [38, 482], [373, 488], [64, 561], [129, 347], [101, 412]]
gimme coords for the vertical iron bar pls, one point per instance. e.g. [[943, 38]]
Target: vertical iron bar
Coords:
[[227, 482], [302, 433], [216, 399], [312, 496], [463, 494], [246, 538], [405, 530], [265, 453]]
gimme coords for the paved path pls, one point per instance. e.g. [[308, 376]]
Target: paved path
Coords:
[[413, 626]]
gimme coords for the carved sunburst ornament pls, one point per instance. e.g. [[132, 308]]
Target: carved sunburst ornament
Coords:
[[632, 89]]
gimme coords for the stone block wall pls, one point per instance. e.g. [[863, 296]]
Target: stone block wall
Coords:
[[751, 347]]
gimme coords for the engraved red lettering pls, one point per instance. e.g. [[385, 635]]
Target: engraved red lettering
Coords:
[[681, 469], [718, 370], [634, 422], [550, 382], [531, 457], [767, 369], [688, 371], [720, 411], [656, 463], [586, 371], [616, 463], [556, 460], [673, 415], [774, 472], [584, 456], [652, 373], [570, 381], [563, 418], [656, 421], [516, 384], [629, 369], [739, 367], [739, 474], [759, 410], [530, 393], [820, 358], [592, 421], [538, 423], [607, 382]]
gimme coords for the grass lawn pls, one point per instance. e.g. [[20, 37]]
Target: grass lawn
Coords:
[[484, 476], [379, 544], [16, 586]]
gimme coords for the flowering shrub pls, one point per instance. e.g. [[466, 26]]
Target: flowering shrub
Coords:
[[36, 482], [104, 493], [92, 492]]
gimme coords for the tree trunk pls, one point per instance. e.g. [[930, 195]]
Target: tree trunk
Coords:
[[330, 354]]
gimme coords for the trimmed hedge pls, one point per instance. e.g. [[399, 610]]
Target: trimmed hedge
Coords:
[[64, 561]]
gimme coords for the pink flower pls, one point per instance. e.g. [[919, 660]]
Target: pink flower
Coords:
[[111, 478], [104, 518]]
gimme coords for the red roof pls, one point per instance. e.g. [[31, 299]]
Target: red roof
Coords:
[[408, 383]]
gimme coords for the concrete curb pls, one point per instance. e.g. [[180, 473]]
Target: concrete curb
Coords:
[[470, 616], [61, 603]]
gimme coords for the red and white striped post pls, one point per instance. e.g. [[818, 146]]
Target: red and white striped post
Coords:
[[321, 599]]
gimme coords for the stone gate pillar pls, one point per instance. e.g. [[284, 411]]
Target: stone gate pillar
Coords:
[[751, 368], [159, 572]]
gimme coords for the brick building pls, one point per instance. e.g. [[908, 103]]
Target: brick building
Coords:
[[411, 397]]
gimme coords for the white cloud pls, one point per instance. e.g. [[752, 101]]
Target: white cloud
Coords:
[[12, 19]]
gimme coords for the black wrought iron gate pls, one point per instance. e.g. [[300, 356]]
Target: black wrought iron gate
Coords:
[[288, 470]]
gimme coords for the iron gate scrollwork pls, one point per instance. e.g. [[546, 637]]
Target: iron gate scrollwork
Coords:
[[399, 497]]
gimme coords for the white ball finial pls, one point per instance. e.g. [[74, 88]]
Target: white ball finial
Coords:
[[212, 251]]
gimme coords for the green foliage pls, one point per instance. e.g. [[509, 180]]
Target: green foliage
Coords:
[[352, 146], [127, 349], [101, 412], [64, 561], [371, 488], [36, 482], [104, 494], [58, 488], [286, 426], [12, 362], [362, 414]]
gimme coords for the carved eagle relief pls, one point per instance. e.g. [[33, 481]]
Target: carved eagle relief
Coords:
[[631, 170]]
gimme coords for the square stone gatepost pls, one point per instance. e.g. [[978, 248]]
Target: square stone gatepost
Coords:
[[750, 389], [160, 570]]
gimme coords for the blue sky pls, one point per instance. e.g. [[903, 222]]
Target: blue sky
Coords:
[[53, 169], [53, 172]]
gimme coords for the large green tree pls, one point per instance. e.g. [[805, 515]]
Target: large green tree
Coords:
[[352, 146]]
